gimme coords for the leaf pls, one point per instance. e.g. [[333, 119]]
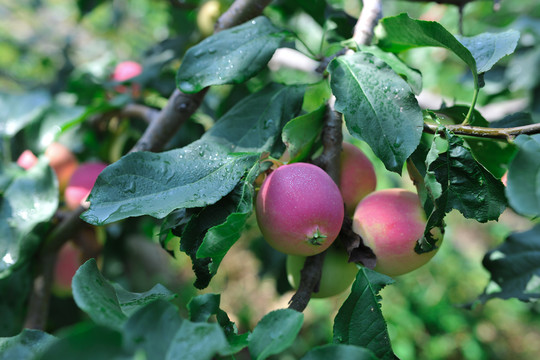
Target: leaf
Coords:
[[399, 33], [145, 183], [411, 76], [359, 321], [26, 345], [523, 189], [457, 181], [19, 110], [229, 57], [13, 307], [275, 332], [203, 306], [300, 133], [515, 268], [30, 198], [378, 105], [107, 304], [254, 124], [199, 341], [152, 328], [88, 342], [339, 351], [494, 155], [55, 121], [457, 113], [487, 49]]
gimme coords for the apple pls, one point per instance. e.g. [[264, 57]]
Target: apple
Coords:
[[390, 222], [68, 260], [125, 71], [299, 209], [81, 183], [337, 273], [27, 159], [63, 162], [357, 177], [504, 178]]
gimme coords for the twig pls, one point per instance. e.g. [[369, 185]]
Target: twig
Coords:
[[483, 132], [240, 12], [369, 17]]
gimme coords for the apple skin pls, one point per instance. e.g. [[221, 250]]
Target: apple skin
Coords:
[[124, 71], [63, 162], [299, 209], [357, 177], [27, 159], [337, 273], [68, 260], [390, 222], [504, 179], [81, 183]]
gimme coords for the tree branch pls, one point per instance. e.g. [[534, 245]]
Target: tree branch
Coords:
[[369, 17], [240, 12], [483, 132]]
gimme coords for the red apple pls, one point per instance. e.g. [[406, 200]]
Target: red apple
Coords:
[[124, 71], [82, 182], [27, 159]]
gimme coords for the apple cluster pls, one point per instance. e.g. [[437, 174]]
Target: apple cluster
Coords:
[[300, 212], [75, 182]]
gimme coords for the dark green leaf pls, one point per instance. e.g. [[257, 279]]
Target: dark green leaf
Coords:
[[523, 189], [199, 341], [13, 307], [30, 199], [88, 342], [339, 351], [107, 304], [487, 49], [255, 123], [152, 329], [378, 105], [230, 56], [457, 113], [19, 110], [515, 268], [145, 183], [359, 320], [27, 345], [412, 76], [455, 180], [275, 332], [494, 155], [300, 133]]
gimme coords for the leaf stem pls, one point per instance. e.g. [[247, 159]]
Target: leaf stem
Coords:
[[473, 104]]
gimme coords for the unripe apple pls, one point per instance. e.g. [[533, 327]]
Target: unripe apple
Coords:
[[27, 159], [63, 162], [357, 177], [390, 222], [337, 273], [124, 71], [82, 182], [299, 209]]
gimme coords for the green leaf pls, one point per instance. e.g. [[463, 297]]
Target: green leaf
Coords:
[[339, 351], [457, 113], [359, 320], [30, 198], [378, 105], [19, 110], [199, 341], [231, 56], [456, 180], [254, 124], [523, 189], [152, 328], [88, 342], [300, 133], [13, 307], [487, 49], [411, 76], [515, 268], [275, 332], [27, 345], [399, 33], [145, 183], [107, 304], [494, 155], [56, 120]]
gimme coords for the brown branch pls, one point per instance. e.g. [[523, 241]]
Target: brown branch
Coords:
[[484, 132], [240, 12]]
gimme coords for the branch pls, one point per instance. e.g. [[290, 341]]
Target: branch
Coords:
[[240, 12], [369, 17], [483, 132]]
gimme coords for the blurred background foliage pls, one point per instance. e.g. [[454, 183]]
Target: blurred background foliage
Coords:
[[69, 48]]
